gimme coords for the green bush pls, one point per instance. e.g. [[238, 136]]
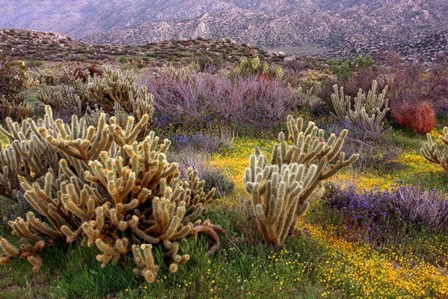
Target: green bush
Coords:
[[345, 69]]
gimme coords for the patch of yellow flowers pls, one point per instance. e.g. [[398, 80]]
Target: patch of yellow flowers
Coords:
[[377, 275], [357, 267], [235, 160]]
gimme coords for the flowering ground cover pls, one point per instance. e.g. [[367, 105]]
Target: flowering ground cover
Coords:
[[323, 261], [356, 269]]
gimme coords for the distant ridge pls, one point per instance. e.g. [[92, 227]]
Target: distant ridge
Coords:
[[340, 27], [33, 45]]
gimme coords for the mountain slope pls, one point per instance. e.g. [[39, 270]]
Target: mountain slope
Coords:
[[350, 26]]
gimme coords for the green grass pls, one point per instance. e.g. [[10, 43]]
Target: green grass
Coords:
[[237, 270], [70, 273], [415, 170], [241, 271], [234, 270]]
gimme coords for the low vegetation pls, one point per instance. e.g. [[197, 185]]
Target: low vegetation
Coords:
[[141, 180]]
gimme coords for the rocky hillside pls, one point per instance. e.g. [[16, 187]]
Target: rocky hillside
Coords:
[[32, 45], [344, 27], [433, 47]]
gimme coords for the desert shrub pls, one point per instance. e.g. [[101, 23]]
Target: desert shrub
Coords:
[[216, 178], [342, 69], [194, 141], [109, 191], [298, 65], [11, 208], [283, 190], [11, 77], [209, 142], [363, 78], [426, 208], [12, 82], [383, 216], [414, 83], [197, 100], [420, 116], [363, 61], [210, 64], [324, 93], [378, 154], [345, 69], [8, 207], [312, 78]]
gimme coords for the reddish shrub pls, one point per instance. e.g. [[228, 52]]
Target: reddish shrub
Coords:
[[91, 71], [419, 116], [416, 81], [94, 70], [264, 77], [80, 74]]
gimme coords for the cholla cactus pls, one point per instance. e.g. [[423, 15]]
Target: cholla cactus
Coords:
[[368, 111], [110, 191], [254, 66], [9, 181], [14, 107], [280, 195], [119, 87], [306, 98], [28, 154], [115, 93], [145, 262], [61, 97], [432, 153], [283, 190], [307, 145]]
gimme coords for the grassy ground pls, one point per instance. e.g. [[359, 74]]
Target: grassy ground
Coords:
[[319, 263]]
